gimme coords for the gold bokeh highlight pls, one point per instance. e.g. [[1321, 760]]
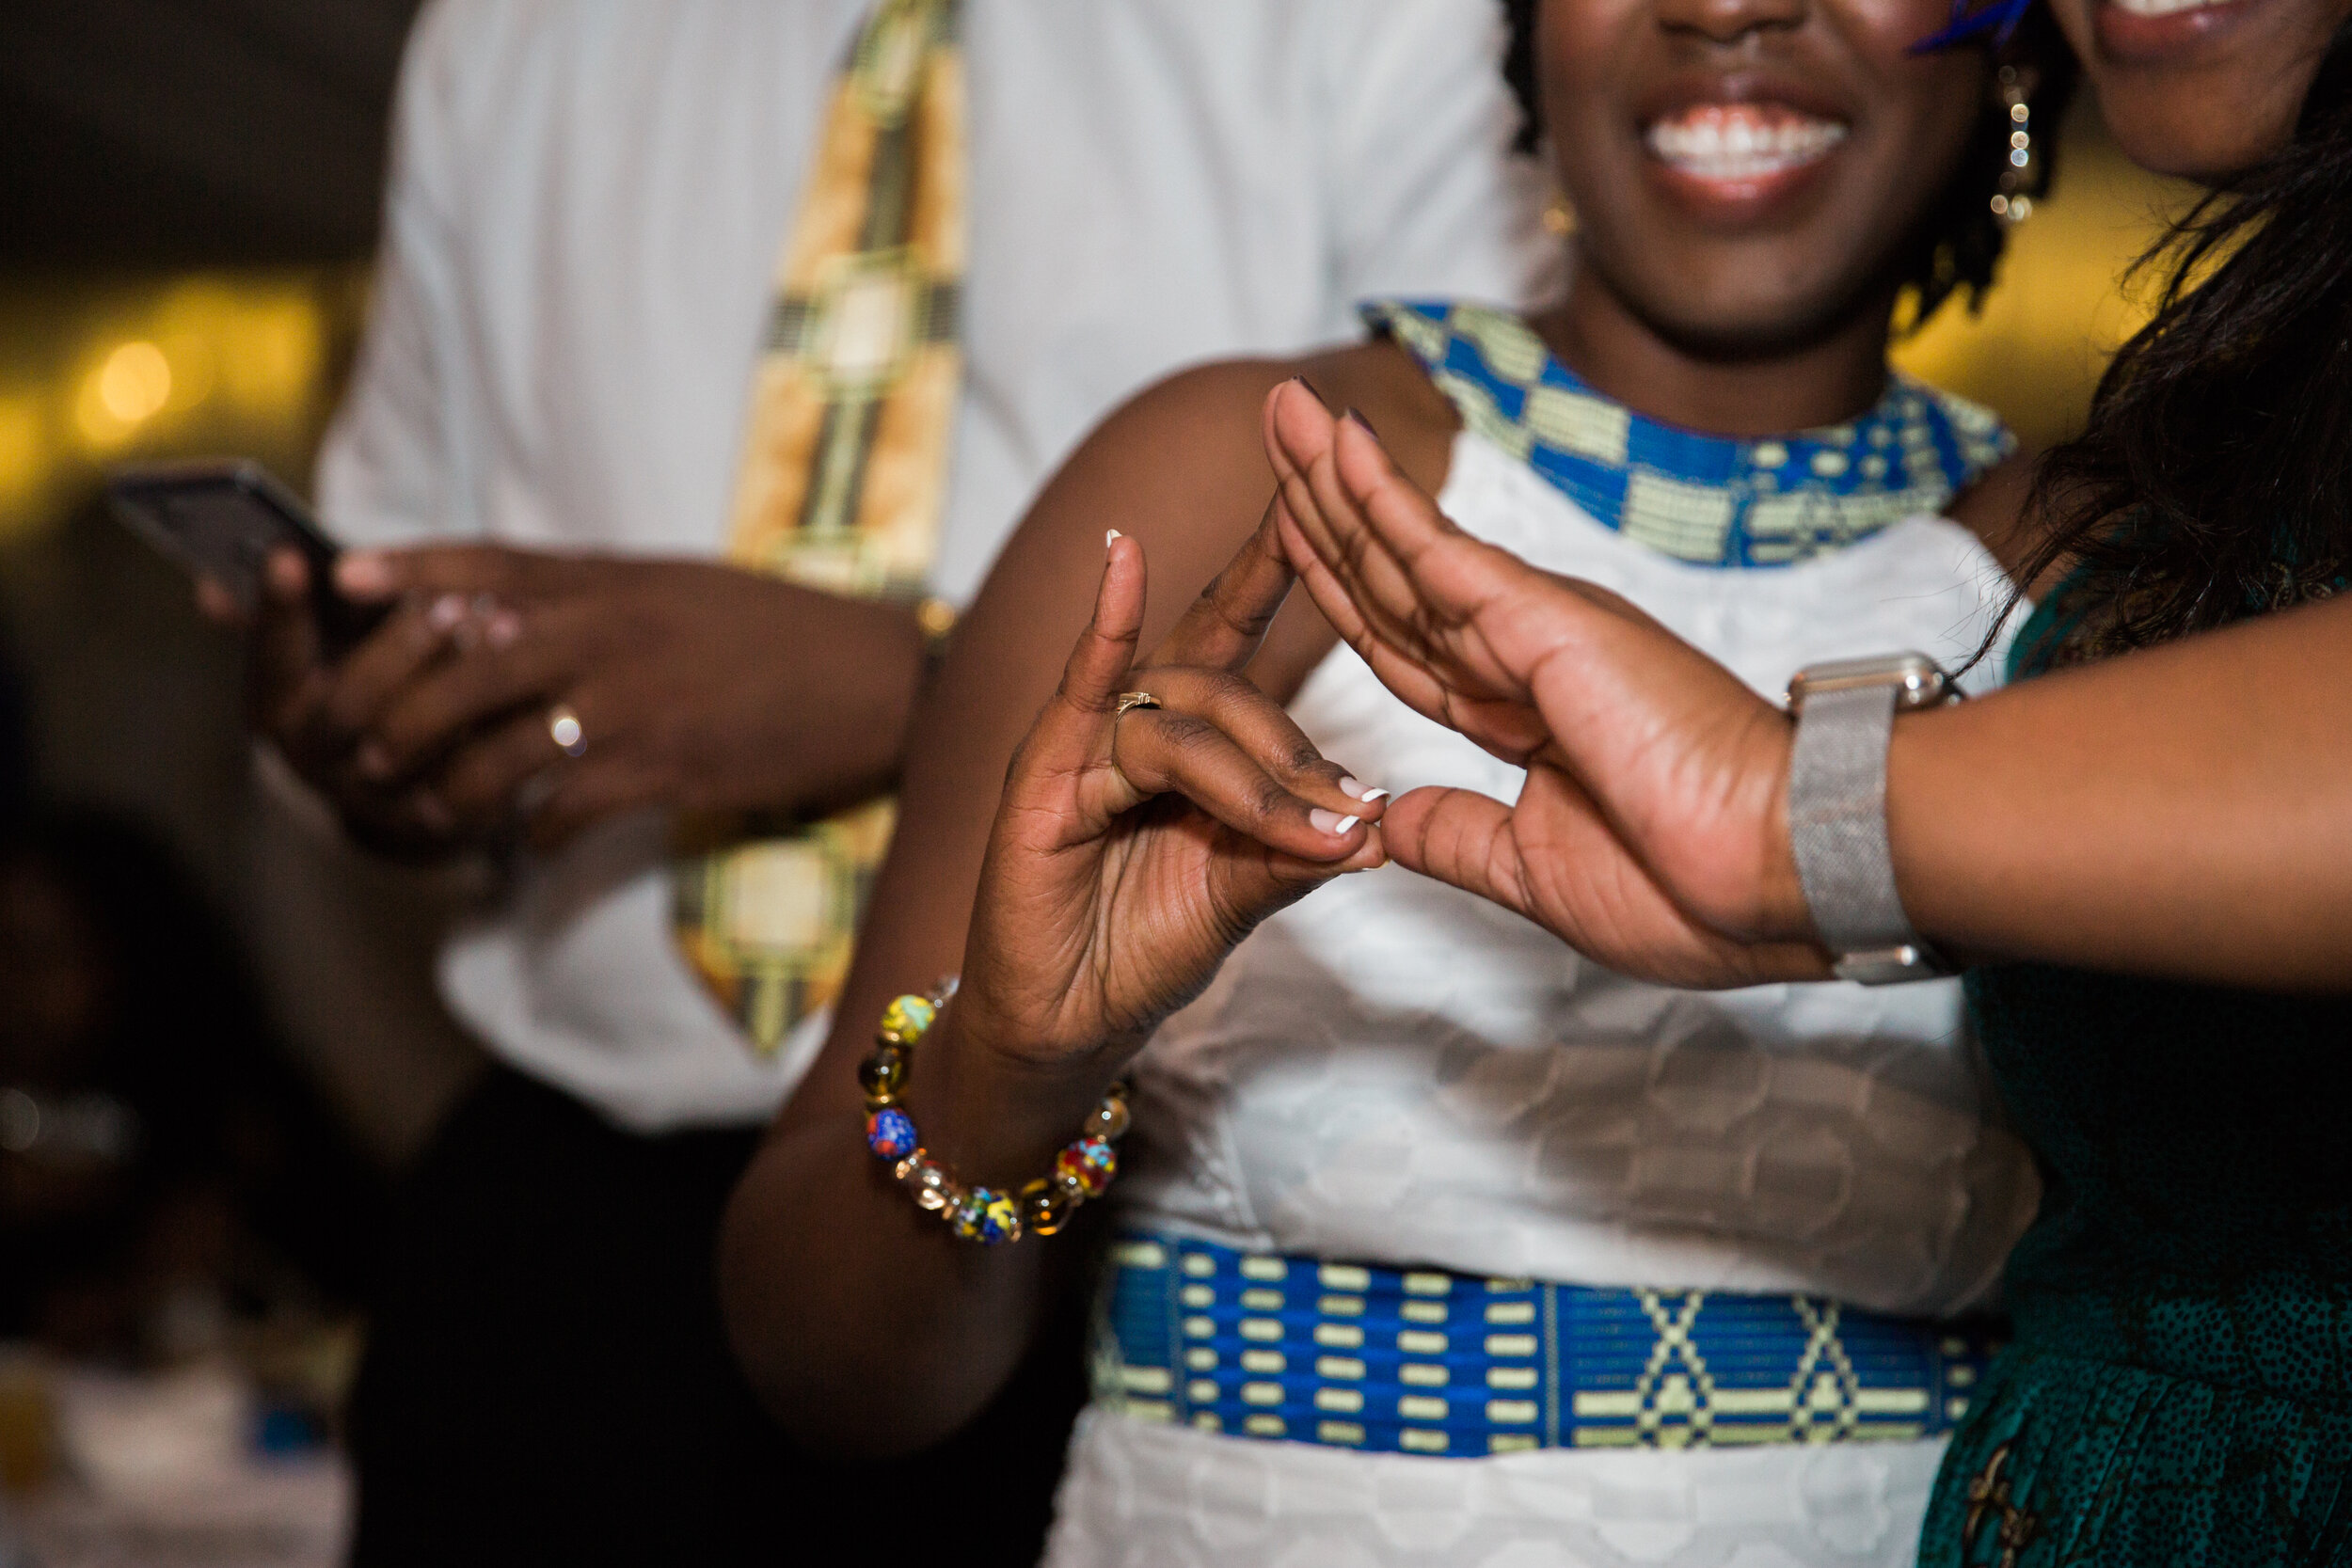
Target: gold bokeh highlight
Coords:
[[98, 372], [130, 386]]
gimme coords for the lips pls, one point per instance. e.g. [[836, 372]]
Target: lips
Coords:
[[2163, 8], [1745, 143], [2156, 30]]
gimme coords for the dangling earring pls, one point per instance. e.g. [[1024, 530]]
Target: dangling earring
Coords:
[[2016, 173]]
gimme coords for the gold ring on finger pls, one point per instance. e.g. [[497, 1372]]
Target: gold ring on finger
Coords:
[[563, 729], [1130, 701]]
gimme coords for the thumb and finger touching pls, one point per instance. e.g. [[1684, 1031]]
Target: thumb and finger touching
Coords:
[[1226, 747], [1218, 741]]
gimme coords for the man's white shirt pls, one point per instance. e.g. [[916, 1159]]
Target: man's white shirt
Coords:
[[587, 201]]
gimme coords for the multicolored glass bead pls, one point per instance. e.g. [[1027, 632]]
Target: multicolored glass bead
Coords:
[[890, 1133], [1091, 1162], [907, 1019], [985, 1215], [1081, 1171], [1000, 1217]]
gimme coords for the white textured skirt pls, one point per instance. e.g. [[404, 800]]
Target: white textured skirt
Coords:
[[1142, 1495]]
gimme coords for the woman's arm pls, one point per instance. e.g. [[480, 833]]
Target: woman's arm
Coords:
[[860, 1321], [2183, 811]]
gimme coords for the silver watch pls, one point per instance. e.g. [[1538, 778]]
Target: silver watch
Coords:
[[1845, 714]]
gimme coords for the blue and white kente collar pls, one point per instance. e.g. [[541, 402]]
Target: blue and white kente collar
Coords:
[[1712, 500]]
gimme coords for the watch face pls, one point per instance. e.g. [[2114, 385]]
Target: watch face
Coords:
[[1891, 966], [1917, 680]]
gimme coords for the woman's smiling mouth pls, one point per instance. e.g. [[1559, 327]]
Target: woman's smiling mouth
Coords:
[[1740, 154]]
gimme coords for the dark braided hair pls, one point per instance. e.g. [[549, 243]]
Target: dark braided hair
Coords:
[[1959, 240], [2215, 477]]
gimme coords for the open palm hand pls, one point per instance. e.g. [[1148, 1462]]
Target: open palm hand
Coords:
[[1651, 833]]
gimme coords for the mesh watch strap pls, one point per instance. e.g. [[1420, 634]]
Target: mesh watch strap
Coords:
[[1837, 826]]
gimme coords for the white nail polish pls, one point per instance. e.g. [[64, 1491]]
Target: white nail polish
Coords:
[[1345, 823], [1108, 538], [1372, 795]]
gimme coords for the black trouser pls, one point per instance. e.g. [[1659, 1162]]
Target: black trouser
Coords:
[[547, 1379]]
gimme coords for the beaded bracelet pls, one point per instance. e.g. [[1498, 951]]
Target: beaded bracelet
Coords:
[[1082, 1170]]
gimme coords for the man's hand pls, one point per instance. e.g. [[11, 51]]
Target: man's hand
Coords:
[[296, 692], [694, 686]]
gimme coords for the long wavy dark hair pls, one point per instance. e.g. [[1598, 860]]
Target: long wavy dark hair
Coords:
[[1958, 245], [2215, 477]]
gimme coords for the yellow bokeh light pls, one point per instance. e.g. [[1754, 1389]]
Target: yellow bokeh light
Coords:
[[195, 367], [270, 350], [127, 387], [23, 456], [204, 363], [135, 383]]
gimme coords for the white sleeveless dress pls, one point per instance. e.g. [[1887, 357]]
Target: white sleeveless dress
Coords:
[[1395, 1071]]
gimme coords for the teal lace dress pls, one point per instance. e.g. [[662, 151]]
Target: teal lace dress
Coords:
[[2180, 1387]]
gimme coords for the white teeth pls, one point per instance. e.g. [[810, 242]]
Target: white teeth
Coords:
[[1715, 145], [2163, 8]]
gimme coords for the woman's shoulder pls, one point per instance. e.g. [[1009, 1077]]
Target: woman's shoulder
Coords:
[[1214, 411], [1182, 469]]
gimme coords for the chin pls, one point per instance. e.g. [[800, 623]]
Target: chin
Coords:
[[2147, 124], [1711, 315], [1726, 333]]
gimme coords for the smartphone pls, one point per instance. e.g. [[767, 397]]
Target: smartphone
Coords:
[[221, 518]]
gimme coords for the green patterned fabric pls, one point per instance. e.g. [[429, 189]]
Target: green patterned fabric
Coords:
[[2180, 1387]]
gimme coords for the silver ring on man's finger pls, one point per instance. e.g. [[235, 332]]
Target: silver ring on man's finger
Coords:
[[563, 729], [1130, 701]]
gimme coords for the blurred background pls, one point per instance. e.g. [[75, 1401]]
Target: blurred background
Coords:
[[187, 1197], [197, 1112]]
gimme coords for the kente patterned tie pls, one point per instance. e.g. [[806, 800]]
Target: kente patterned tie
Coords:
[[843, 483]]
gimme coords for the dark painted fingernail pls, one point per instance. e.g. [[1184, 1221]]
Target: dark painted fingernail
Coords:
[[1358, 416]]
